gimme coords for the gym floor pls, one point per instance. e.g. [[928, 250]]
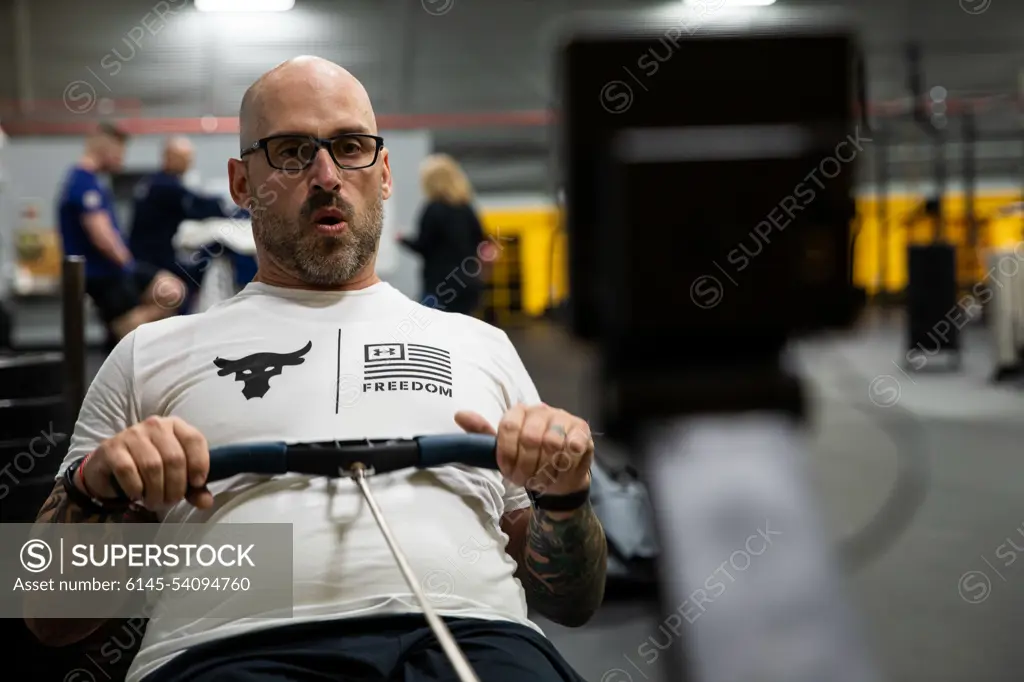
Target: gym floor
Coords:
[[868, 417]]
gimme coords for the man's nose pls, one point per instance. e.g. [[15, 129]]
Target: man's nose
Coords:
[[325, 173]]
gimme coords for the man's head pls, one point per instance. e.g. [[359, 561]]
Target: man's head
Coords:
[[106, 147], [178, 155], [315, 225], [443, 180]]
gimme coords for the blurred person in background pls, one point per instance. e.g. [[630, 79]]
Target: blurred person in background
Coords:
[[162, 203], [922, 222], [126, 293], [451, 240]]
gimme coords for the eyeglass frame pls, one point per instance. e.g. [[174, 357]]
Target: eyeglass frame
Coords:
[[320, 142]]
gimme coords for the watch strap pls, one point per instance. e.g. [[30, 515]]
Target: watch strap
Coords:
[[563, 503], [85, 501]]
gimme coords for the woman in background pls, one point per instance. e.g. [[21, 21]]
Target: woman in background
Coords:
[[451, 240]]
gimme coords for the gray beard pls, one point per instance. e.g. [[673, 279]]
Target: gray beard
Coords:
[[322, 260]]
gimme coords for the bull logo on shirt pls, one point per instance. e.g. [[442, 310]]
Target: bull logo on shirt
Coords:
[[257, 369]]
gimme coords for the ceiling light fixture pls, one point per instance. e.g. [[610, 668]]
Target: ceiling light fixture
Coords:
[[717, 4], [244, 5]]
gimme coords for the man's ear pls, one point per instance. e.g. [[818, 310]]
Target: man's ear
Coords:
[[238, 177], [385, 174]]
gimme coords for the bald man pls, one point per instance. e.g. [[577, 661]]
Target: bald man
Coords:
[[162, 202], [318, 348]]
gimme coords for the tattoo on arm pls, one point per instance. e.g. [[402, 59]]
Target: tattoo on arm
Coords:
[[566, 557], [59, 508]]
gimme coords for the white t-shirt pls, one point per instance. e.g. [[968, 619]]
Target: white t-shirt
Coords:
[[374, 364]]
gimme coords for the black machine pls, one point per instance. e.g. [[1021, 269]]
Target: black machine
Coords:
[[931, 301], [710, 194], [683, 253]]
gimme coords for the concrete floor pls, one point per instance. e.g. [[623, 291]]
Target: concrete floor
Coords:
[[868, 417]]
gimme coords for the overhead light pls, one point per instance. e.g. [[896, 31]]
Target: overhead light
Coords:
[[244, 5], [706, 9], [718, 4]]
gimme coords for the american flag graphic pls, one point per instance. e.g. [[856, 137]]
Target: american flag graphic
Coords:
[[407, 361]]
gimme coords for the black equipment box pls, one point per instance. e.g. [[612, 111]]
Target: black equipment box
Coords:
[[709, 199], [932, 313], [710, 193]]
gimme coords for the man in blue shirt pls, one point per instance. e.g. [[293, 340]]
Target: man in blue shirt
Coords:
[[162, 203], [126, 294]]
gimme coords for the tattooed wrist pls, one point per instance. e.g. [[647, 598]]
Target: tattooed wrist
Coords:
[[566, 560]]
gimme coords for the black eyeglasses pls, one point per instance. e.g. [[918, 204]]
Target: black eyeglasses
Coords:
[[296, 152]]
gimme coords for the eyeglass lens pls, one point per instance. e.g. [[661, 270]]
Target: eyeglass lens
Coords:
[[297, 152]]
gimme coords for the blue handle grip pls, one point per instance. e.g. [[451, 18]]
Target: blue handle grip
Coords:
[[471, 449], [248, 458], [271, 458]]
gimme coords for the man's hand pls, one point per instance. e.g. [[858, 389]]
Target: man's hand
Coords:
[[155, 462], [542, 448]]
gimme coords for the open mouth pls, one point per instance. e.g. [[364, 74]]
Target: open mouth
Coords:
[[328, 216], [330, 219]]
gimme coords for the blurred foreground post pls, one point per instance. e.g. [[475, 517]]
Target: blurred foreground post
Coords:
[[73, 319]]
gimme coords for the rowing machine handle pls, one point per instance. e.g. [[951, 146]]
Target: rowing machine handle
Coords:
[[271, 458], [260, 458], [471, 449], [475, 450]]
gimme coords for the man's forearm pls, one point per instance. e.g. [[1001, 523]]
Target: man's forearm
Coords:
[[59, 508], [111, 246], [105, 238], [411, 243], [565, 561]]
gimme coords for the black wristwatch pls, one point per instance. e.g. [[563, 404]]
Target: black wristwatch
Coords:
[[561, 503], [85, 501]]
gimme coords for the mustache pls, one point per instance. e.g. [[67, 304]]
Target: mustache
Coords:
[[328, 200]]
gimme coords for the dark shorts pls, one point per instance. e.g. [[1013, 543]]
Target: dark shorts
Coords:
[[386, 649], [116, 295]]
